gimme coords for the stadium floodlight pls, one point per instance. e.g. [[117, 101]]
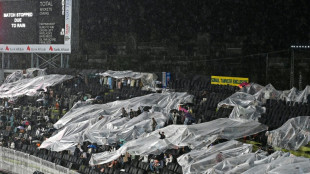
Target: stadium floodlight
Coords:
[[300, 46]]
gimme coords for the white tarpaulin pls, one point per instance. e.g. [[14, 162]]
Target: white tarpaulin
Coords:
[[199, 161], [194, 136], [262, 93], [248, 102], [235, 157], [81, 123], [245, 106], [30, 73], [31, 86], [291, 135]]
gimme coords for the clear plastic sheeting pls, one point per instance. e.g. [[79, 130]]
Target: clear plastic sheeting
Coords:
[[82, 122], [195, 136], [291, 135], [15, 76], [235, 157], [267, 92], [199, 161], [262, 93], [31, 86], [252, 112], [147, 79], [19, 75], [124, 128], [160, 102], [280, 163], [245, 106]]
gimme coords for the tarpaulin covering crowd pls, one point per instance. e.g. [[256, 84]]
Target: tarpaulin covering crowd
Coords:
[[82, 122], [291, 135], [177, 136], [31, 86]]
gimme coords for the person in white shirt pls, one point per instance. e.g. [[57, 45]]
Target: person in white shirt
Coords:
[[169, 160], [12, 146], [29, 128]]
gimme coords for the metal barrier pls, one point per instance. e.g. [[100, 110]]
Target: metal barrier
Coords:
[[22, 163]]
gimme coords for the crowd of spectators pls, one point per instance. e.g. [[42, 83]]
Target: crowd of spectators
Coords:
[[27, 122]]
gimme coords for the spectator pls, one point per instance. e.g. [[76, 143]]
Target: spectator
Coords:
[[124, 113], [139, 111], [162, 135], [219, 157], [154, 124], [131, 113], [169, 159]]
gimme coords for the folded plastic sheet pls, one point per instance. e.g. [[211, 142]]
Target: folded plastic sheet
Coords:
[[199, 161], [147, 79], [195, 136], [291, 135], [31, 86], [82, 122]]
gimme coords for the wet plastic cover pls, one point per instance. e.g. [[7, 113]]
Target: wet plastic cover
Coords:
[[235, 157], [82, 122], [195, 136], [269, 92], [18, 75], [245, 106], [31, 86], [291, 135], [199, 161]]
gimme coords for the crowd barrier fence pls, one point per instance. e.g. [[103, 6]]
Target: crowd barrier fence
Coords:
[[22, 163]]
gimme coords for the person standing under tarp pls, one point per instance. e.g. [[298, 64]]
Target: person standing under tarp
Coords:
[[154, 124]]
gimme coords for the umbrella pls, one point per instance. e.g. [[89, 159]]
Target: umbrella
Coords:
[[92, 146], [20, 127], [26, 123], [243, 84], [182, 109]]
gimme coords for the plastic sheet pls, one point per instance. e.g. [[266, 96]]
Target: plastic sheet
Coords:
[[195, 136], [291, 135], [30, 86], [82, 122], [30, 73], [280, 163], [269, 92], [147, 79], [199, 161], [245, 106], [160, 102], [236, 157]]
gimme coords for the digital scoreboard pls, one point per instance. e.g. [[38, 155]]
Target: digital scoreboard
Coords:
[[35, 26]]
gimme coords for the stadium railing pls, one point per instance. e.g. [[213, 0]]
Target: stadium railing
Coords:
[[22, 163]]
